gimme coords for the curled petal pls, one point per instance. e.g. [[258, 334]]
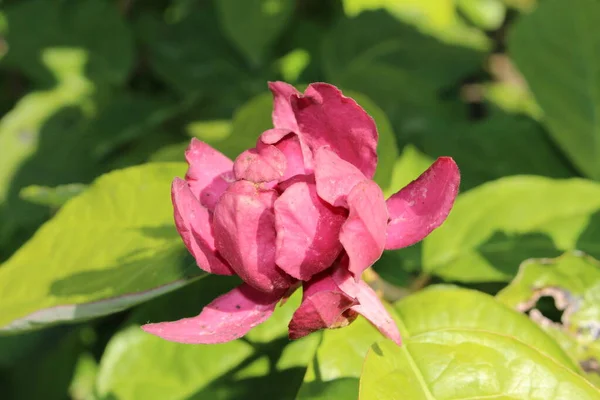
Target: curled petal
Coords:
[[323, 305], [193, 223], [244, 230], [263, 164], [369, 305], [335, 177], [363, 234], [307, 231], [209, 174], [226, 318], [327, 118], [283, 116], [419, 208]]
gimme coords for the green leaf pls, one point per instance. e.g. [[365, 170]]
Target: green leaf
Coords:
[[264, 364], [573, 282], [516, 205], [192, 56], [40, 138], [558, 52], [51, 196], [338, 362], [439, 18], [92, 26], [428, 311], [395, 58], [113, 246], [484, 150], [467, 364], [253, 25]]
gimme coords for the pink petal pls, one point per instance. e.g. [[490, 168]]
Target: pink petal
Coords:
[[265, 163], [323, 305], [369, 305], [244, 230], [363, 234], [335, 177], [298, 155], [326, 118], [283, 116], [209, 174], [292, 149], [226, 318], [423, 205], [193, 223], [307, 231]]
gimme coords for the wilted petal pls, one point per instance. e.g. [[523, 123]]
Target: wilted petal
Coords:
[[423, 205], [369, 305], [283, 116], [363, 233], [307, 231], [335, 177], [244, 230], [228, 317], [209, 174], [326, 118], [324, 305], [264, 163], [193, 223]]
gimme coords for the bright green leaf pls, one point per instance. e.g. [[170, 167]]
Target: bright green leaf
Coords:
[[573, 282], [557, 49], [253, 25], [486, 14], [429, 310], [105, 250], [516, 205], [467, 364]]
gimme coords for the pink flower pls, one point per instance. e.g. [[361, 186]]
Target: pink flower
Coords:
[[300, 208]]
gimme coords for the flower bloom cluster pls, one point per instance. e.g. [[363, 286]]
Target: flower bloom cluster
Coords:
[[299, 209]]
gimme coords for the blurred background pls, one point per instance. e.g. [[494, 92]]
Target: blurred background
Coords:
[[92, 86]]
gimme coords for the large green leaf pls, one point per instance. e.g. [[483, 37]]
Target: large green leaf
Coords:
[[467, 364], [448, 307], [105, 250], [573, 282], [560, 209], [264, 364], [557, 49], [94, 26], [253, 25]]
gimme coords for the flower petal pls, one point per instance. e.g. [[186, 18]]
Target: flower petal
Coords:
[[264, 163], [419, 208], [193, 223], [226, 318], [335, 177], [323, 305], [307, 231], [363, 233], [327, 118], [298, 155], [369, 305], [283, 116], [244, 230], [209, 174]]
